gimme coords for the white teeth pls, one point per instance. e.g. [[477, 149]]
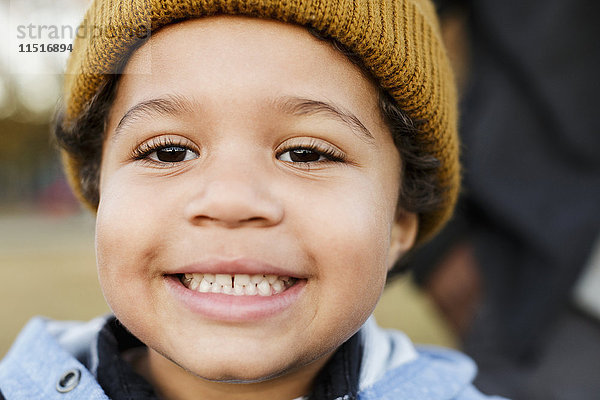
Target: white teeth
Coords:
[[277, 286], [204, 286], [251, 290], [239, 290], [227, 289], [223, 279], [241, 279], [238, 284], [264, 289]]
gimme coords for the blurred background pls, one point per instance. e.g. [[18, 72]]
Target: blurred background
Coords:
[[516, 273], [47, 264], [46, 241]]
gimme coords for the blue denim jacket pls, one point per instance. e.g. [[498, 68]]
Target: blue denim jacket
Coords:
[[49, 358]]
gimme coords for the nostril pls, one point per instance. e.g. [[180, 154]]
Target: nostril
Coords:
[[201, 220], [253, 219], [231, 203]]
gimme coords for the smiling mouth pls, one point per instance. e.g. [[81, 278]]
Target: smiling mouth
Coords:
[[237, 284]]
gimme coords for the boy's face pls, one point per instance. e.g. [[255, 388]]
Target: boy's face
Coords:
[[252, 148]]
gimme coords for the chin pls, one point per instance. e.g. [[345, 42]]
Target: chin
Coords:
[[235, 370], [239, 377]]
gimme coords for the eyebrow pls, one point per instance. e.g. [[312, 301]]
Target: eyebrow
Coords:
[[174, 105], [169, 105], [304, 106]]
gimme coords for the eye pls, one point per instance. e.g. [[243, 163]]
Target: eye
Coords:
[[165, 151], [302, 155], [310, 151], [172, 154]]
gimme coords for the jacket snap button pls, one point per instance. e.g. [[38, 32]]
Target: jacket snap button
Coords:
[[68, 381]]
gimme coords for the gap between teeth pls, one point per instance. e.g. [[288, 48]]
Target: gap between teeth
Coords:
[[238, 284]]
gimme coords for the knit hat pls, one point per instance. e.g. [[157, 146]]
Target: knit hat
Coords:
[[398, 41]]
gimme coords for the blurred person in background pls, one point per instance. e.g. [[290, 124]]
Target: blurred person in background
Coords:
[[515, 271]]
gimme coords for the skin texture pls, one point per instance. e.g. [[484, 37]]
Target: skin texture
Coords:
[[238, 196]]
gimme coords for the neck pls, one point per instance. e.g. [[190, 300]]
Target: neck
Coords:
[[170, 381]]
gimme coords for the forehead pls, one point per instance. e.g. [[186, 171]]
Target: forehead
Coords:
[[230, 60]]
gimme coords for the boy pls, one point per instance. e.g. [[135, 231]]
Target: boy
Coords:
[[256, 168]]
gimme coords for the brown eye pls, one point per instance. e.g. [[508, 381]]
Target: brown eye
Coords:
[[172, 154], [302, 156]]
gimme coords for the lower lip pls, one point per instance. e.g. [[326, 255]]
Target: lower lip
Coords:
[[229, 308]]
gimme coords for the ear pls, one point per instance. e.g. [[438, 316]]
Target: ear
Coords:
[[403, 236]]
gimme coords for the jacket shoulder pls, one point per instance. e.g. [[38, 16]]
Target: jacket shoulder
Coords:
[[435, 374], [44, 353]]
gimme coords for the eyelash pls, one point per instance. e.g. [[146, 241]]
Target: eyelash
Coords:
[[143, 152], [332, 154]]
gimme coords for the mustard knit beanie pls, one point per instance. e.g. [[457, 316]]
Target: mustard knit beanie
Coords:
[[398, 41]]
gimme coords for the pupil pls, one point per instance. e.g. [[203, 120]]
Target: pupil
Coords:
[[304, 155], [171, 154]]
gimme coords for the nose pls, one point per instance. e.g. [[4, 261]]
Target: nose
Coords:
[[232, 197]]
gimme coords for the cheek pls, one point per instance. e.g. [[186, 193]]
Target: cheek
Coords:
[[129, 221], [349, 241], [126, 244], [357, 226]]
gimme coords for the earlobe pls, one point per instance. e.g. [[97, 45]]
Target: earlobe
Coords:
[[403, 236]]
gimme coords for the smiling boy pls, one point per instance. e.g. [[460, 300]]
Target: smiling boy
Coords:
[[239, 205], [254, 183]]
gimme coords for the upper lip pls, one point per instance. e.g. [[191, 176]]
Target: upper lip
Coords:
[[235, 266]]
